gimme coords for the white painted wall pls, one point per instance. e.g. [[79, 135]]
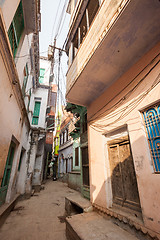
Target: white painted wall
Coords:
[[41, 94], [45, 64], [13, 123]]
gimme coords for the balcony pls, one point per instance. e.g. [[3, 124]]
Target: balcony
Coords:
[[120, 34], [32, 17]]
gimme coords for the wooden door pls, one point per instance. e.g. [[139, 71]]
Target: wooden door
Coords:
[[85, 166], [85, 173], [7, 173], [123, 178]]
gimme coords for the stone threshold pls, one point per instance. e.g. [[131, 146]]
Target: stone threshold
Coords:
[[94, 226], [6, 208], [125, 218]]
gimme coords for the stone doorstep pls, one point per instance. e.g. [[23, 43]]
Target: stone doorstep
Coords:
[[138, 225], [86, 206], [79, 201], [93, 226], [6, 208]]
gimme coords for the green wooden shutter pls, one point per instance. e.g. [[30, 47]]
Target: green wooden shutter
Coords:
[[36, 113], [8, 166], [19, 22], [37, 109], [7, 173], [16, 29], [41, 75]]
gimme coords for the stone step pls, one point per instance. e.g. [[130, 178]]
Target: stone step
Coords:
[[76, 199], [6, 208], [93, 226]]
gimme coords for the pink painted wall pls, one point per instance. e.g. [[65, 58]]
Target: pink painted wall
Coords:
[[148, 181], [10, 116]]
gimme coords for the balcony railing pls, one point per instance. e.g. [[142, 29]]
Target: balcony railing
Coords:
[[108, 12]]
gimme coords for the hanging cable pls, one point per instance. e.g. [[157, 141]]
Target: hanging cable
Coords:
[[94, 117], [55, 20]]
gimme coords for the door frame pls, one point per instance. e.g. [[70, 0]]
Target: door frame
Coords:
[[8, 167], [127, 204]]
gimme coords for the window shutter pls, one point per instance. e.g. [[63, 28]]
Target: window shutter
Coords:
[[37, 109], [41, 75], [19, 22], [16, 28], [36, 113]]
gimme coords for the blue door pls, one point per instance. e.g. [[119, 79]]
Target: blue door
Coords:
[[152, 123]]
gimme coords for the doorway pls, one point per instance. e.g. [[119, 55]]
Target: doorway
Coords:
[[7, 173], [123, 177], [85, 173]]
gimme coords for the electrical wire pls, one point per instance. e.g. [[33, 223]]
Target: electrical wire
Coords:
[[28, 55], [55, 20], [94, 117], [62, 25], [133, 104], [60, 19]]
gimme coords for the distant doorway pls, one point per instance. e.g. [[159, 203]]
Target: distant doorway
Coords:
[[85, 172], [123, 177], [7, 173]]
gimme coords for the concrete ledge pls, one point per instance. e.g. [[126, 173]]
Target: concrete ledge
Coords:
[[76, 199], [93, 226], [6, 208], [126, 219]]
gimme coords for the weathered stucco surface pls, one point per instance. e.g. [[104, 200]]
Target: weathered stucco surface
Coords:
[[100, 125]]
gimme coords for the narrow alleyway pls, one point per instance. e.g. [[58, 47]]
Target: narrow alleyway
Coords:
[[38, 217]]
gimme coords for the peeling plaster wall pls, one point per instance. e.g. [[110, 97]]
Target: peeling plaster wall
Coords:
[[10, 116], [67, 153], [22, 174], [148, 181], [13, 122], [39, 163]]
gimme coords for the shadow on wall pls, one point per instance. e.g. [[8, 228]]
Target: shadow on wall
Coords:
[[122, 190], [123, 184]]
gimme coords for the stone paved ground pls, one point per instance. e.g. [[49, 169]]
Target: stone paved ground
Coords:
[[37, 218]]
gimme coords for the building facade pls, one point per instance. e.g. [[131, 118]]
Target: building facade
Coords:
[[114, 72], [38, 106], [19, 70], [79, 177], [65, 153]]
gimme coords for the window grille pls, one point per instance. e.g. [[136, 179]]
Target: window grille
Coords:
[[16, 29], [152, 124]]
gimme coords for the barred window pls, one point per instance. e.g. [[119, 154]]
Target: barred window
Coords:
[[152, 124]]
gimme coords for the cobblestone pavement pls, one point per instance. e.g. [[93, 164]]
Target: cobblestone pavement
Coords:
[[37, 218]]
